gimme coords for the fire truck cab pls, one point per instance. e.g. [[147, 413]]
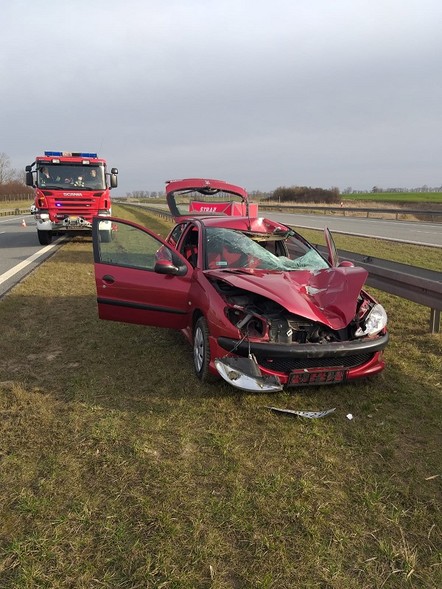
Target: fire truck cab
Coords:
[[71, 188]]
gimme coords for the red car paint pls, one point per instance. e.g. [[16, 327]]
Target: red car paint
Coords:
[[242, 287]]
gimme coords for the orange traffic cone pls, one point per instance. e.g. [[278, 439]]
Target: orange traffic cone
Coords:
[[23, 223]]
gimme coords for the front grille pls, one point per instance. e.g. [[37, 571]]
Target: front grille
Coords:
[[288, 364], [69, 206]]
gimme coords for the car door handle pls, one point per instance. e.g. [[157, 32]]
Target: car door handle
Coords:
[[108, 279]]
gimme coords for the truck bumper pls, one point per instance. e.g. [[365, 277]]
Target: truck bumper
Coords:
[[44, 223]]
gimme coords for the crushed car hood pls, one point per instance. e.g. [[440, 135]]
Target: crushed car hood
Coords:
[[328, 296]]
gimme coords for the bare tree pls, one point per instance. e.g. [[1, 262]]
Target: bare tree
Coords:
[[7, 174]]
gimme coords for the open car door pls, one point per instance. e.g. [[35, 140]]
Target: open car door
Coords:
[[139, 278]]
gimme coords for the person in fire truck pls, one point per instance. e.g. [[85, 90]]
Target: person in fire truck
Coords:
[[45, 177], [92, 179]]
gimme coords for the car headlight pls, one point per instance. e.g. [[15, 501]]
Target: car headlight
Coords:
[[375, 322]]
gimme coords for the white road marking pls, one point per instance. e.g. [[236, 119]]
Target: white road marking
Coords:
[[6, 275]]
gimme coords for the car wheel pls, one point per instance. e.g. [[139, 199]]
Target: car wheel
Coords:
[[105, 236], [44, 237], [201, 351]]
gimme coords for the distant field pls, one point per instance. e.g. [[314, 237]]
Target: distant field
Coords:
[[11, 205], [400, 197], [434, 197], [385, 197]]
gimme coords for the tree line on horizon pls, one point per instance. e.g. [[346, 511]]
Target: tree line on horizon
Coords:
[[281, 194], [12, 182]]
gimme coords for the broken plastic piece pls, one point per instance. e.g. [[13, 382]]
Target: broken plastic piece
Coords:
[[244, 373], [309, 414]]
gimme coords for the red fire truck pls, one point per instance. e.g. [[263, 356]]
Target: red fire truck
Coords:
[[70, 189]]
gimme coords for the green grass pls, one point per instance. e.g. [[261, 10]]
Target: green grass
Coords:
[[408, 197], [119, 469], [11, 205]]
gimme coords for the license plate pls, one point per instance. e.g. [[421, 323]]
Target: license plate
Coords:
[[316, 376]]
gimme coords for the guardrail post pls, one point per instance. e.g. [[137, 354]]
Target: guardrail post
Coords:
[[435, 321]]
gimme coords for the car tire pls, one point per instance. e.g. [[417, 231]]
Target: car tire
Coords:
[[201, 351], [44, 237], [105, 236]]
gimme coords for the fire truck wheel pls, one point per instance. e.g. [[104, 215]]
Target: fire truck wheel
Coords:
[[105, 236], [44, 237]]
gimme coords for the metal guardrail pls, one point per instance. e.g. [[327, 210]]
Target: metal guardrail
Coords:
[[434, 215], [415, 284], [14, 212]]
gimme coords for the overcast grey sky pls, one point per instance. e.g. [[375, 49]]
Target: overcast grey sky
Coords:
[[261, 93]]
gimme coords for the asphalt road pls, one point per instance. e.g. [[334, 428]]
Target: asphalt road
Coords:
[[417, 232], [20, 251], [404, 231]]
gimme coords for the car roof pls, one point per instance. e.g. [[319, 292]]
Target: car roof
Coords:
[[223, 205], [245, 224]]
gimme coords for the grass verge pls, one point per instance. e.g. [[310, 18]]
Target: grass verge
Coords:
[[398, 197], [11, 205], [119, 469]]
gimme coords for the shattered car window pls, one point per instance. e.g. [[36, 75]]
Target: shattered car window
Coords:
[[227, 249]]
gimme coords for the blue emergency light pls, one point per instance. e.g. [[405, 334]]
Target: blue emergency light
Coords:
[[70, 154]]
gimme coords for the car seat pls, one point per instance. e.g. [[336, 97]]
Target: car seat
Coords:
[[190, 248]]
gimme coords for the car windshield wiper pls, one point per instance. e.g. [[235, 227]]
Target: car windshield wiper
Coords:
[[238, 270]]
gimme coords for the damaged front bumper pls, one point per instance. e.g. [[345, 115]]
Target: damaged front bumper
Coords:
[[308, 350], [260, 369], [245, 374]]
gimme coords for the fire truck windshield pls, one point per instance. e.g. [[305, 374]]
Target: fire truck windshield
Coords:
[[60, 176]]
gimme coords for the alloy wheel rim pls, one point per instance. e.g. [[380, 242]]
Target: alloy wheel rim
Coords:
[[198, 349]]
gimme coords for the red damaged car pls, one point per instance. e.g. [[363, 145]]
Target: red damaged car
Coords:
[[259, 304]]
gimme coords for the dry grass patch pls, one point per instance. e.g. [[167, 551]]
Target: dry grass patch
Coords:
[[119, 469]]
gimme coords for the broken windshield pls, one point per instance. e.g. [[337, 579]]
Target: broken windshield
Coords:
[[228, 249]]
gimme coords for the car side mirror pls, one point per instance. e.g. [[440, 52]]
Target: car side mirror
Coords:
[[346, 264], [168, 267], [29, 179]]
